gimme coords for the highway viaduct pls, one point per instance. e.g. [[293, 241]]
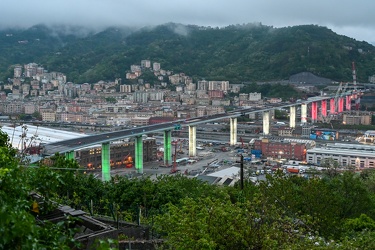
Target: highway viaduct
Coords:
[[335, 104]]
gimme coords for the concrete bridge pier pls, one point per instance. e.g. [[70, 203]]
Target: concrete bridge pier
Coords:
[[292, 117], [332, 106], [106, 161], [303, 113], [233, 131], [192, 141], [341, 105], [323, 107], [70, 155], [314, 112], [266, 122], [139, 154], [348, 102], [167, 147]]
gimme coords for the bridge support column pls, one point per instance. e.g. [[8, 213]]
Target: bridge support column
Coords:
[[167, 147], [323, 106], [332, 106], [348, 102], [106, 161], [314, 112], [292, 117], [341, 105], [139, 154], [266, 122], [192, 141], [303, 113], [233, 131], [70, 155]]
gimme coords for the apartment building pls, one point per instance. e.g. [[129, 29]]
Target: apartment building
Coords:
[[145, 64], [48, 116], [357, 117], [218, 85], [156, 66]]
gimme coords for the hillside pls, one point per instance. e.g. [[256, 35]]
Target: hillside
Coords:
[[237, 53]]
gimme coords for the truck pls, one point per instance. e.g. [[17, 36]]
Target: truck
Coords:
[[293, 170]]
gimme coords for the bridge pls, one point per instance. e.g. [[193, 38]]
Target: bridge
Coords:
[[67, 147]]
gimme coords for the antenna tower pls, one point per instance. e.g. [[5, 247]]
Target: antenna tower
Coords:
[[354, 77]]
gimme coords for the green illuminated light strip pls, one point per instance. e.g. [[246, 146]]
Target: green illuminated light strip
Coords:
[[139, 154], [106, 164]]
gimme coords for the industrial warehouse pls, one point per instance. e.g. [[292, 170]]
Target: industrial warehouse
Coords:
[[356, 155], [30, 139]]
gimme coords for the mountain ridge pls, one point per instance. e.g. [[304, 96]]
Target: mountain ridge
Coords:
[[238, 53]]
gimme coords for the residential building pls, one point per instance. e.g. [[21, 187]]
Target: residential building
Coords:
[[202, 85], [285, 131], [156, 95], [140, 97], [357, 118], [17, 72], [14, 107], [218, 85], [156, 66], [135, 68], [30, 108], [140, 121], [145, 64], [216, 93], [49, 116], [255, 96]]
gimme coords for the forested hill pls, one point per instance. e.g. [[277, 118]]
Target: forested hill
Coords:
[[237, 53]]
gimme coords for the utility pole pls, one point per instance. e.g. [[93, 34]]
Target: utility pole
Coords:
[[241, 173]]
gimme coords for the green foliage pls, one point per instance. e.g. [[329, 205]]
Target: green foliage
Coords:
[[334, 212], [111, 100], [18, 227], [281, 114], [363, 222], [272, 90]]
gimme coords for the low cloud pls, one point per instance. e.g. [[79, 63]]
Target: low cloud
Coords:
[[353, 19]]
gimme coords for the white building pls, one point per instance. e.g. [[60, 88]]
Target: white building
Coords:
[[218, 85], [140, 97], [17, 71], [135, 68], [156, 95], [255, 96], [125, 88], [202, 85], [356, 155], [156, 66], [145, 63]]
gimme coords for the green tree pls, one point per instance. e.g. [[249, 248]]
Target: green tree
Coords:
[[18, 226]]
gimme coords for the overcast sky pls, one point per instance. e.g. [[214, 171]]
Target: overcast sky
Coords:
[[355, 19]]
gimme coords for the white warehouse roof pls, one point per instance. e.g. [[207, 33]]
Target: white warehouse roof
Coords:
[[344, 152], [229, 172], [36, 135]]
